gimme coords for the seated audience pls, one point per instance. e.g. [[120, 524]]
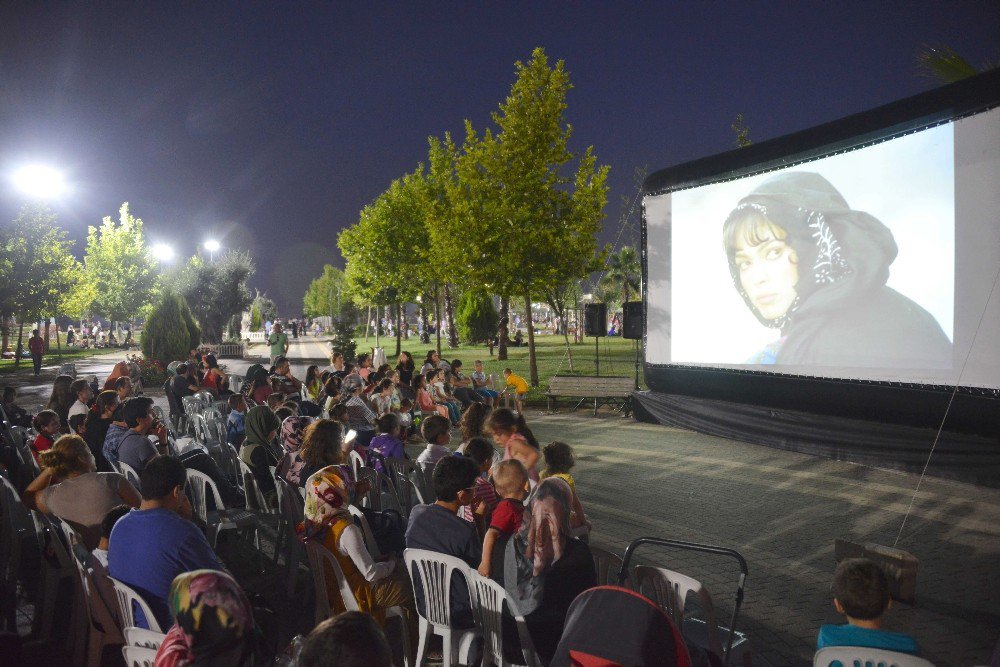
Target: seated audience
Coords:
[[481, 451], [214, 379], [473, 423], [78, 424], [235, 425], [861, 593], [257, 451], [99, 554], [431, 363], [483, 384], [437, 527], [517, 386], [558, 462], [47, 427], [511, 482], [185, 384], [287, 383], [120, 370], [406, 418], [360, 416], [351, 639], [61, 399], [117, 430], [123, 387], [292, 434], [440, 389], [313, 384], [336, 367], [98, 424], [382, 397], [213, 623], [509, 430], [437, 432], [405, 367], [424, 399], [81, 390], [376, 585], [150, 546], [323, 446], [462, 387], [16, 415], [387, 443], [546, 580], [135, 448], [70, 488], [364, 366]]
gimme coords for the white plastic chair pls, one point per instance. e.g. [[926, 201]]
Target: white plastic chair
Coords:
[[130, 474], [221, 518], [607, 565], [255, 497], [143, 638], [57, 539], [488, 599], [356, 462], [670, 590], [366, 528], [856, 656], [318, 555], [136, 656], [126, 597], [434, 571]]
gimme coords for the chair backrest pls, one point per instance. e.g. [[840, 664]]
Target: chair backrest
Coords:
[[205, 397], [669, 590], [290, 503], [434, 571], [200, 428], [366, 528], [200, 485], [143, 638], [137, 656], [127, 596], [130, 474], [607, 565], [356, 462], [372, 499], [255, 497], [192, 405], [158, 411], [488, 598], [852, 656], [405, 469], [318, 555]]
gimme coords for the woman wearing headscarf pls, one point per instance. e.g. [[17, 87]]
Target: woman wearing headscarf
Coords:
[[257, 452], [292, 431], [808, 265], [376, 586], [545, 567], [213, 623]]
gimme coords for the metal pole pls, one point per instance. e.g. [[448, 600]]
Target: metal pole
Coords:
[[597, 355]]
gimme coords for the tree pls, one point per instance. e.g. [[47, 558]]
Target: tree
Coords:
[[36, 267], [623, 274], [326, 295], [739, 126], [170, 331], [120, 266], [517, 203], [343, 340], [943, 64], [267, 307], [477, 317], [255, 319], [217, 291]]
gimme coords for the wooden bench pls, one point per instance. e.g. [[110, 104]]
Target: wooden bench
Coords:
[[603, 390]]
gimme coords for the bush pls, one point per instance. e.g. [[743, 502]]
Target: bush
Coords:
[[477, 318], [152, 372], [170, 331]]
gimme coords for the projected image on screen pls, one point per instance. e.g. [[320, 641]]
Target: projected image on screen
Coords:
[[844, 262]]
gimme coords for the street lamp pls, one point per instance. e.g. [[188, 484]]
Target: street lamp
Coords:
[[212, 246], [39, 181], [163, 253]]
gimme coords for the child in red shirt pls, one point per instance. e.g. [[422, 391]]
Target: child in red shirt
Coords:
[[47, 425], [511, 481]]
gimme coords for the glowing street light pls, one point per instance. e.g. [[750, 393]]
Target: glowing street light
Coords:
[[39, 181], [212, 246], [163, 253]]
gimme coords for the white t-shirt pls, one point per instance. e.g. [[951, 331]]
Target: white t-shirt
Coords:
[[77, 408]]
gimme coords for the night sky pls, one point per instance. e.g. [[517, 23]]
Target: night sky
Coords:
[[269, 125]]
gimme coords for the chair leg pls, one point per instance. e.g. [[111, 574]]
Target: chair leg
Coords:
[[423, 641], [279, 539]]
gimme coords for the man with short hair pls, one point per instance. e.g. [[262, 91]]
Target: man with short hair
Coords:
[[135, 449], [37, 347], [184, 384], [123, 386], [278, 340], [350, 639], [153, 544]]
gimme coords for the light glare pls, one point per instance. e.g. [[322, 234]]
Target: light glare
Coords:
[[212, 246], [163, 252], [39, 181]]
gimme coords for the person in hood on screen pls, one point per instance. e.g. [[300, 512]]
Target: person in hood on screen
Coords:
[[808, 265]]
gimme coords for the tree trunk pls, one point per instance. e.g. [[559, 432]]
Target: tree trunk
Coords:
[[425, 333], [437, 317], [532, 359], [20, 343], [368, 320], [46, 336], [449, 314], [5, 333], [503, 328], [58, 344], [399, 332], [402, 321]]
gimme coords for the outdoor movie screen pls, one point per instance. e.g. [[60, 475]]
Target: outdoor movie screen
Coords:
[[876, 264]]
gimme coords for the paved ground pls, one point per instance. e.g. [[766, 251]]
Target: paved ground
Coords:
[[781, 510]]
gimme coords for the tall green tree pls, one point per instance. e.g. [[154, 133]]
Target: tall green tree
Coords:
[[527, 223], [216, 291], [120, 266], [267, 307], [327, 294], [170, 331], [477, 317], [623, 275]]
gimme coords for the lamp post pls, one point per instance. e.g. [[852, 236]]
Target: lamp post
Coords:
[[212, 246], [163, 253]]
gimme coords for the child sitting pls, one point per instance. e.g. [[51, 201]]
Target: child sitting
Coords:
[[861, 593], [406, 417], [481, 451], [235, 424], [558, 462], [517, 386], [511, 481], [78, 424], [388, 442], [16, 415], [437, 432], [47, 426]]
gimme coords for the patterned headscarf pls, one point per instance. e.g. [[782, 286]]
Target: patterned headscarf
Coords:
[[327, 498], [213, 622], [539, 543], [292, 432]]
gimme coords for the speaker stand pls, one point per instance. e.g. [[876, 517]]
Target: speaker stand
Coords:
[[635, 343], [597, 355]]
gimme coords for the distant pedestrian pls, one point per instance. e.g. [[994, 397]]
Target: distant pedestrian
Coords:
[[278, 340], [295, 328], [37, 347]]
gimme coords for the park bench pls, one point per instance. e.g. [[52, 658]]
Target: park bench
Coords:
[[610, 390]]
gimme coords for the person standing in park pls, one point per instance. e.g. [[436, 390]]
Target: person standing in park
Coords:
[[278, 340], [37, 347]]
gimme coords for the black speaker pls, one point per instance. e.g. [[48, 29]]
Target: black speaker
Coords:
[[595, 319], [632, 319]]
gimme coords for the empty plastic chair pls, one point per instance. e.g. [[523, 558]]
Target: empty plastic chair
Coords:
[[220, 519]]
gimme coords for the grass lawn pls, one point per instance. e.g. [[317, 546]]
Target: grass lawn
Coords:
[[68, 355], [617, 358]]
